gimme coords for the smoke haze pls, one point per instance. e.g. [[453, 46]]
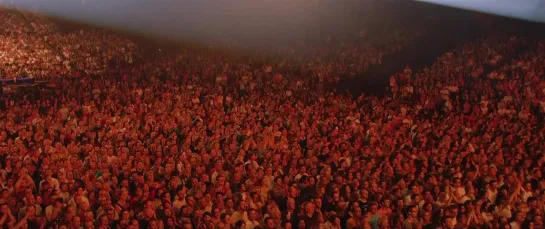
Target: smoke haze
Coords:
[[245, 21]]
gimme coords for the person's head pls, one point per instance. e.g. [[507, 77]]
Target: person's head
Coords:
[[229, 203], [309, 208], [383, 223], [110, 213], [519, 216], [252, 214], [240, 224], [448, 222], [76, 222], [412, 211], [125, 215], [187, 225], [357, 212], [290, 203], [364, 194], [301, 224], [225, 218], [242, 205], [373, 207], [103, 220], [532, 202], [269, 223], [153, 224], [30, 199], [287, 225], [207, 217], [385, 203], [31, 209]]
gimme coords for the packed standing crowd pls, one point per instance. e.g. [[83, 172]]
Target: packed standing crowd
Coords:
[[95, 51], [24, 54], [35, 47], [210, 140]]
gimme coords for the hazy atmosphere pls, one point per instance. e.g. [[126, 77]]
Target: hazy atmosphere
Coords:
[[246, 21]]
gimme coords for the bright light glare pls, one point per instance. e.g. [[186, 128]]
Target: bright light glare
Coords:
[[531, 10]]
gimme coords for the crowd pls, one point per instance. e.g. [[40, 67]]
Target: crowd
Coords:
[[33, 46], [94, 51], [211, 140], [22, 53], [41, 48]]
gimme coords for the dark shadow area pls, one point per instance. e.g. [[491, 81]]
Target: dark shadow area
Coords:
[[446, 29]]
